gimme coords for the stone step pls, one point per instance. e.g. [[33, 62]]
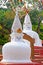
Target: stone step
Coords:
[[41, 51], [37, 47], [33, 63], [38, 56], [37, 60], [37, 51], [41, 62]]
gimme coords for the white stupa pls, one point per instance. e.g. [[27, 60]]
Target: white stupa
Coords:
[[27, 28], [18, 50]]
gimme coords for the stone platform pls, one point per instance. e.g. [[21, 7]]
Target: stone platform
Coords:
[[38, 60], [33, 63]]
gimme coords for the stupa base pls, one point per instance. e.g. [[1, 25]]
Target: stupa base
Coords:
[[16, 61], [33, 63]]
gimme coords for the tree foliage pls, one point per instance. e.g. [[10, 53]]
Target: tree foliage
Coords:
[[6, 20]]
